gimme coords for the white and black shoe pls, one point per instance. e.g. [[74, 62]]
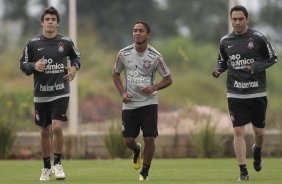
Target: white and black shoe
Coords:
[[59, 172]]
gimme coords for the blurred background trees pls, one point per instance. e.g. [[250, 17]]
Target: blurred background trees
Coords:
[[186, 32], [111, 21]]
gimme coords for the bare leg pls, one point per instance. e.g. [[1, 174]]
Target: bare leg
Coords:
[[45, 141], [259, 136], [58, 138], [240, 144], [129, 142], [149, 150]]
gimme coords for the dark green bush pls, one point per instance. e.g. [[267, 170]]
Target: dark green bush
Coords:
[[209, 143], [114, 142]]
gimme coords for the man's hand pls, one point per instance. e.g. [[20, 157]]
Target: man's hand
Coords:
[[250, 69], [216, 72], [71, 73], [126, 97], [148, 90], [40, 65]]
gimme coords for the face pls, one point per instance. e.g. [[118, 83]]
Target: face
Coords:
[[50, 24], [140, 34], [239, 22]]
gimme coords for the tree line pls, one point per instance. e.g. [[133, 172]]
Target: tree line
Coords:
[[111, 21]]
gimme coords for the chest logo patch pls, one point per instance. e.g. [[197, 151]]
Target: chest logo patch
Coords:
[[60, 47], [147, 64], [250, 43]]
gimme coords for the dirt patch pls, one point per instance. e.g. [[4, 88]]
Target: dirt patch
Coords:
[[193, 118], [98, 109], [96, 112]]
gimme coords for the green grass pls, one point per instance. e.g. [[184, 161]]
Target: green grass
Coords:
[[163, 171]]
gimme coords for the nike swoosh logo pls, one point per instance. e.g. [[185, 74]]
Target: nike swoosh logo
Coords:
[[229, 46], [40, 49]]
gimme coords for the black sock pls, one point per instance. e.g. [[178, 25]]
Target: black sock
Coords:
[[145, 170], [47, 162], [257, 153], [136, 149], [243, 170], [57, 158]]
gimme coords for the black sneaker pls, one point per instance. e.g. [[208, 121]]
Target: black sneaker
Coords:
[[137, 158], [243, 178], [257, 163]]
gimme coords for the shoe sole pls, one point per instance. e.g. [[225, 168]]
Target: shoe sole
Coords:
[[141, 178], [60, 178]]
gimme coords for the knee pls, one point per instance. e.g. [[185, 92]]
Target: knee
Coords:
[[129, 142], [239, 132], [259, 133], [149, 140], [56, 130], [45, 133]]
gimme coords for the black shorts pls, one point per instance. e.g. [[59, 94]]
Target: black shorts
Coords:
[[47, 111], [244, 111], [144, 118]]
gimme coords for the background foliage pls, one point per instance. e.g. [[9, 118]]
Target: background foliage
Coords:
[[106, 26]]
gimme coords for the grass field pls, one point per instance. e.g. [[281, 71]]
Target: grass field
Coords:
[[163, 171]]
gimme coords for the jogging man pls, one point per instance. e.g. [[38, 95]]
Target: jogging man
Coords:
[[45, 56], [140, 61], [245, 54]]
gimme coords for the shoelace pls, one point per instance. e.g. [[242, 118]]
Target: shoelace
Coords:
[[44, 173], [59, 168]]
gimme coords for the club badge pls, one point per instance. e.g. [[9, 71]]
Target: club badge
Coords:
[[147, 64], [250, 43], [60, 47]]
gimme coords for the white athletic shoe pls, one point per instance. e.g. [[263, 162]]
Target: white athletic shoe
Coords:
[[59, 172], [45, 175]]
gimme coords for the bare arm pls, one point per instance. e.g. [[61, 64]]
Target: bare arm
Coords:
[[165, 82], [126, 97]]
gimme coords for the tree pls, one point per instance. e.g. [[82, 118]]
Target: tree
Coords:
[[22, 11], [15, 10], [207, 21], [114, 20], [269, 19]]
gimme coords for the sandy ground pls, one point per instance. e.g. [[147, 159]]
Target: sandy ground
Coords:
[[180, 121]]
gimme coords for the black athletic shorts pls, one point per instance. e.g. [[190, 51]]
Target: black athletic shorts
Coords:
[[244, 111], [144, 118], [47, 111]]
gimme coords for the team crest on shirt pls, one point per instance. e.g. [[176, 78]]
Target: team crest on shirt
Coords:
[[250, 43], [146, 64], [60, 47]]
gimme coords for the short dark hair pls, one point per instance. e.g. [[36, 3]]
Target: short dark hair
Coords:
[[50, 10], [147, 27], [240, 8]]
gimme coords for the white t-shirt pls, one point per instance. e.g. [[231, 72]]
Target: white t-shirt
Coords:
[[139, 71]]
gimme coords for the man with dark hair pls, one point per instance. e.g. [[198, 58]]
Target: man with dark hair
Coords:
[[245, 54], [45, 56], [140, 61]]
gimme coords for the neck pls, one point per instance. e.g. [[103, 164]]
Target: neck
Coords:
[[243, 32], [140, 48], [49, 35]]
